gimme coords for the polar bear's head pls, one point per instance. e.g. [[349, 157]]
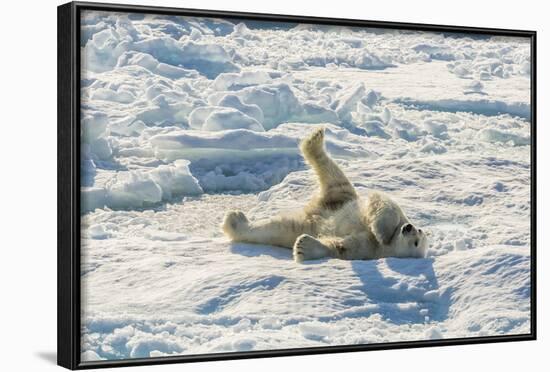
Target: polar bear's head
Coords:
[[411, 242]]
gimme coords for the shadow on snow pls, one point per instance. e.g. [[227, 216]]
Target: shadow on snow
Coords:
[[406, 297]]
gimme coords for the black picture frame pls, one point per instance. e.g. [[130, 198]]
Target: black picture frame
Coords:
[[68, 247]]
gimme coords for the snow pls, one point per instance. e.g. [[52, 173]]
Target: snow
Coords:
[[140, 188], [230, 118], [237, 81], [184, 119], [153, 65]]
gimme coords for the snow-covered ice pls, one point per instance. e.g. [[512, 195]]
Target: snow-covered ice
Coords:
[[184, 119]]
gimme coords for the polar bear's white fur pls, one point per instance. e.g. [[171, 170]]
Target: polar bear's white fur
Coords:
[[336, 223]]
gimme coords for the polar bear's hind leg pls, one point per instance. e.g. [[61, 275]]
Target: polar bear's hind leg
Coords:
[[336, 190], [235, 224], [281, 230]]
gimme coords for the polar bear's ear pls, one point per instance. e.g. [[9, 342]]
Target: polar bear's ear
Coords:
[[385, 226]]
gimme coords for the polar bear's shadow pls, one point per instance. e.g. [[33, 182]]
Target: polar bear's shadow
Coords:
[[392, 294], [398, 300]]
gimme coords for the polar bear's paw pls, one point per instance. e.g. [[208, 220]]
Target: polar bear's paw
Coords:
[[307, 247], [314, 143], [234, 224]]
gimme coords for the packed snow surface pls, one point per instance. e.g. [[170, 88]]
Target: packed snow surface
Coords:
[[184, 119]]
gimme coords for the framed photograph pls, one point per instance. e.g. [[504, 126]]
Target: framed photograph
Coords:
[[238, 185]]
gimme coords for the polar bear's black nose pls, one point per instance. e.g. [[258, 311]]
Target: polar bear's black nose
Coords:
[[407, 228]]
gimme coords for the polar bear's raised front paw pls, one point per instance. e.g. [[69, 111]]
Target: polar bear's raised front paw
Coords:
[[234, 223], [307, 247], [314, 142]]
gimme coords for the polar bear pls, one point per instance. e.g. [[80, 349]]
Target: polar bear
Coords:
[[336, 223]]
